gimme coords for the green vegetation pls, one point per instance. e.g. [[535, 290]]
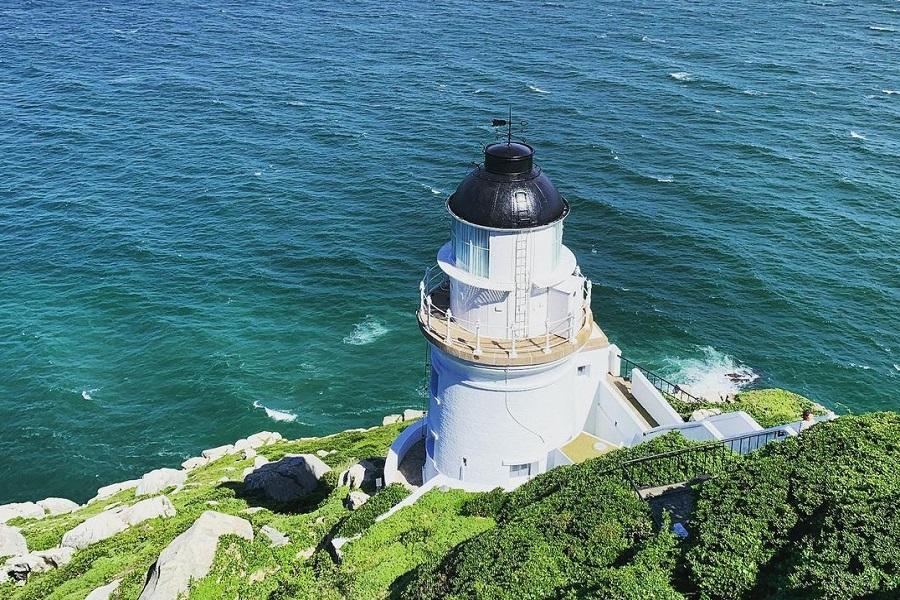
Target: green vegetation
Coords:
[[815, 516], [769, 407]]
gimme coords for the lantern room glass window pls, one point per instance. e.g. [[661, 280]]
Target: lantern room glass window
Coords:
[[471, 249]]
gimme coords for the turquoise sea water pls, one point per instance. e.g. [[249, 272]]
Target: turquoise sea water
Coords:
[[211, 211]]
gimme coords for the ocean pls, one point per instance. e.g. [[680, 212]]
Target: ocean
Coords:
[[214, 217]]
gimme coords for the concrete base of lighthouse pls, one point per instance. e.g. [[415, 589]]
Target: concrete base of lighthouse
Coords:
[[490, 426]]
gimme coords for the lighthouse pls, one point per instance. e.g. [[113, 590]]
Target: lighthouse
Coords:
[[506, 313], [522, 378]]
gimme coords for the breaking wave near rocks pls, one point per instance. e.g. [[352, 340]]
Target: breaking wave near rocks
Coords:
[[713, 376], [276, 415]]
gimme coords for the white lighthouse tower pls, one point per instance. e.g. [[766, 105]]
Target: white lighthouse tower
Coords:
[[506, 313], [522, 378]]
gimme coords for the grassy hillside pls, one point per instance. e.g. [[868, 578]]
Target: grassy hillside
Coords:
[[811, 517]]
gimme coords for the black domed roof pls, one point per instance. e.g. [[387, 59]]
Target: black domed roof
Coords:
[[508, 191]]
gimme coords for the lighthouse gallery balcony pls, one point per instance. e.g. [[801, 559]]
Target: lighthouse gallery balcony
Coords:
[[463, 339]]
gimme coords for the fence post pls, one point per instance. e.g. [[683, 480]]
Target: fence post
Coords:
[[428, 312], [422, 296], [477, 351], [512, 352], [449, 339], [572, 329], [547, 339]]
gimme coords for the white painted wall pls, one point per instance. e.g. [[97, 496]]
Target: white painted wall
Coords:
[[400, 446], [652, 400], [494, 418], [611, 419]]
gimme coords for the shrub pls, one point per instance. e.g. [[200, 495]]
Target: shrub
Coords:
[[361, 519]]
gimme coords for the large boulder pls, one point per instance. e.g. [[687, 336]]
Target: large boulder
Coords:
[[151, 508], [193, 463], [12, 542], [156, 481], [355, 499], [190, 555], [391, 419], [28, 510], [288, 479], [218, 452], [411, 414], [58, 506], [18, 568], [104, 592], [111, 490], [110, 522], [263, 438], [95, 529], [364, 471]]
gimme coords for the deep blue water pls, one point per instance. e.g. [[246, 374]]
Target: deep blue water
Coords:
[[207, 210]]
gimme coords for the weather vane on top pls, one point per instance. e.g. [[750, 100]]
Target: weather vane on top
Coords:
[[523, 125]]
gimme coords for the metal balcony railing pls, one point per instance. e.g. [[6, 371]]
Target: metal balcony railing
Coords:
[[665, 386], [438, 319]]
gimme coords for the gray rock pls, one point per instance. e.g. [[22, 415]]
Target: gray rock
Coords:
[[355, 499], [704, 413], [249, 453], [190, 555], [151, 508], [410, 414], [28, 510], [12, 542], [95, 529], [321, 453], [288, 479], [218, 452], [362, 472], [276, 538], [194, 463], [113, 489], [104, 592], [391, 419], [20, 567], [263, 438], [58, 506], [156, 481]]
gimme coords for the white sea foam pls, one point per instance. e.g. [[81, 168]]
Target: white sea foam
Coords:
[[478, 91], [681, 76], [668, 179], [896, 366], [296, 103], [750, 92], [85, 394], [366, 331], [535, 88], [713, 376], [891, 92], [857, 136], [882, 28], [651, 40], [856, 366], [276, 415]]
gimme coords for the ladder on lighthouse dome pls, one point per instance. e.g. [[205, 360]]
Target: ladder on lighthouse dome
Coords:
[[523, 285]]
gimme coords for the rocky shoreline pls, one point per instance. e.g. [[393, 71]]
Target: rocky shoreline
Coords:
[[189, 556]]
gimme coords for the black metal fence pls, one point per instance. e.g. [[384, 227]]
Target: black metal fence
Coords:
[[695, 463], [663, 385]]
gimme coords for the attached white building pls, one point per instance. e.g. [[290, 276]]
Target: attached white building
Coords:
[[522, 377]]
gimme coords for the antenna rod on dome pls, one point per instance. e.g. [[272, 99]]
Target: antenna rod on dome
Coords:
[[508, 123]]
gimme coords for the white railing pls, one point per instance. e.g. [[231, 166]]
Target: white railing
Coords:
[[444, 325]]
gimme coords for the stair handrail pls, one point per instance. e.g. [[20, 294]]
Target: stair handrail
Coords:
[[659, 382]]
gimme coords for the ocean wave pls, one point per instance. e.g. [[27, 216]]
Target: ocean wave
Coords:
[[432, 189], [857, 366], [857, 136], [890, 92], [276, 415], [668, 179], [750, 92], [366, 331], [536, 89], [882, 28], [713, 376], [651, 40], [681, 76]]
